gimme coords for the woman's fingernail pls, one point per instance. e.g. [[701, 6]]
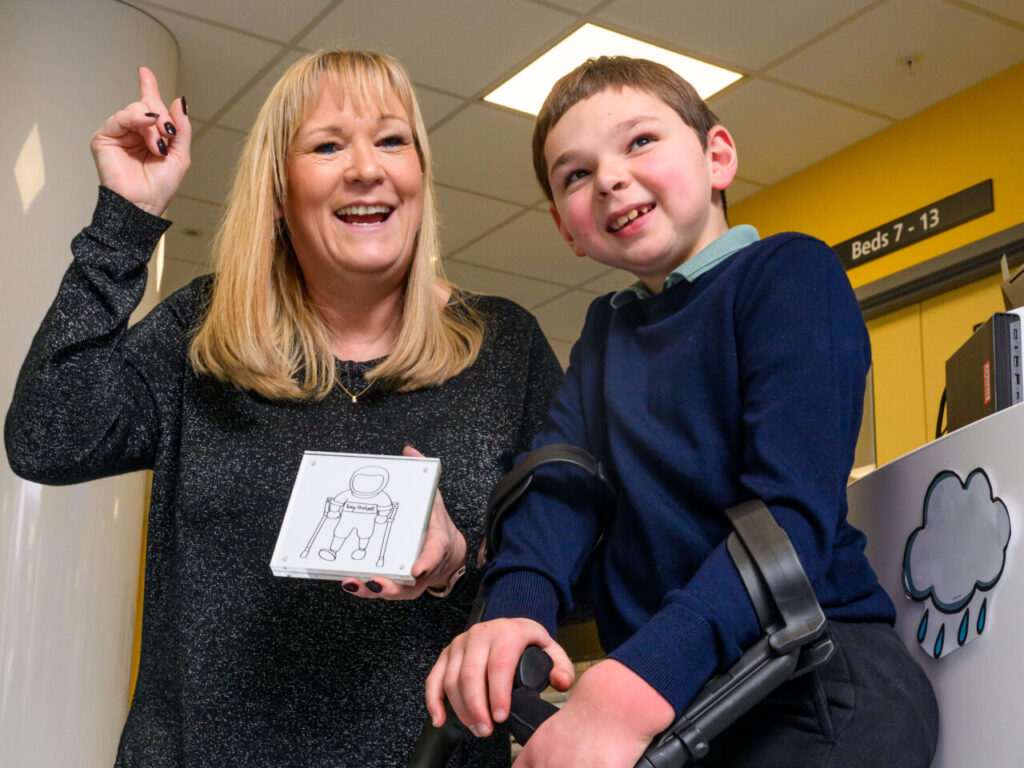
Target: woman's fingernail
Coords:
[[500, 715], [152, 114], [420, 575], [350, 587], [169, 127], [373, 586], [184, 106], [162, 147]]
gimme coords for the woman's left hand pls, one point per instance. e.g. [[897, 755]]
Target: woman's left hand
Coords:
[[444, 552]]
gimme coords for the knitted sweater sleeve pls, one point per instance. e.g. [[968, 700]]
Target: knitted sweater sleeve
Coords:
[[82, 405], [549, 534]]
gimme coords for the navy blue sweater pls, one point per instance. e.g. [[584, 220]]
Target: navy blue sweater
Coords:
[[746, 383]]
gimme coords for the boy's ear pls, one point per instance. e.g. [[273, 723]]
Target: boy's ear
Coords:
[[564, 232], [722, 155]]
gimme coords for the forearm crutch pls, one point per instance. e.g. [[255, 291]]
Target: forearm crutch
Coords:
[[323, 519], [795, 640], [387, 534]]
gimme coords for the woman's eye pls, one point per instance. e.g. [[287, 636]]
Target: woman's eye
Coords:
[[641, 141], [394, 141], [327, 148]]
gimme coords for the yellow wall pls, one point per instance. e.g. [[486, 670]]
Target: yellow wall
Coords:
[[973, 136]]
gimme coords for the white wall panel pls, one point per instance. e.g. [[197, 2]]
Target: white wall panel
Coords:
[[69, 556]]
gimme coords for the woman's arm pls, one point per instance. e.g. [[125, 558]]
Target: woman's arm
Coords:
[[83, 406]]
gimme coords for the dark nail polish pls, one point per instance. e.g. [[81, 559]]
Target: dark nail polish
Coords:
[[152, 114], [350, 587], [162, 147], [184, 106], [169, 127], [373, 586]]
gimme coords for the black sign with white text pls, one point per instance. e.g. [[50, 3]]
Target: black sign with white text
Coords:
[[936, 217]]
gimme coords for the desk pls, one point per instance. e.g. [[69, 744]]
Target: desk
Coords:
[[961, 479]]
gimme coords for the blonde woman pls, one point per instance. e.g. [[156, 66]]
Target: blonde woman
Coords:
[[326, 327]]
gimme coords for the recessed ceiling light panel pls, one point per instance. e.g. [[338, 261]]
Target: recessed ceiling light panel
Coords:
[[527, 90]]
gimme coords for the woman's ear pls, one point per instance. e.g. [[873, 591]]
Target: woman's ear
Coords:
[[721, 153], [564, 232]]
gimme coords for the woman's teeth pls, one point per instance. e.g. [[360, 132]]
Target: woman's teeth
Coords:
[[364, 214], [625, 218]]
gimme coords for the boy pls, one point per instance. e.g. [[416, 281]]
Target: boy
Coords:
[[733, 369]]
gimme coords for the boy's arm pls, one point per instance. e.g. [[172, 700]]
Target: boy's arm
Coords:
[[608, 722], [803, 355], [547, 537], [545, 542]]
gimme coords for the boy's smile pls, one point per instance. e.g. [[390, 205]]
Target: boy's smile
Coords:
[[632, 186]]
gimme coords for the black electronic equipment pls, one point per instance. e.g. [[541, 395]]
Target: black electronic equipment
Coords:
[[984, 375]]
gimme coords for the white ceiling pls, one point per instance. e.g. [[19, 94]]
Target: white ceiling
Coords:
[[819, 76]]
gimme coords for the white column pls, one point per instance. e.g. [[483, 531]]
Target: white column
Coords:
[[69, 556]]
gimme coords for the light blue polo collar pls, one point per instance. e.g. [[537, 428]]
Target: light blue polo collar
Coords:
[[718, 250]]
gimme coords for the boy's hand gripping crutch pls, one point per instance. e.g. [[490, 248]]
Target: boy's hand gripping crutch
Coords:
[[795, 640]]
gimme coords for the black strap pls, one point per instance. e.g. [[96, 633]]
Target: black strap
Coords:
[[513, 485]]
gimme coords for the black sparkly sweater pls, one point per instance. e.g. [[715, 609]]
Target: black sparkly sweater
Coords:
[[239, 667]]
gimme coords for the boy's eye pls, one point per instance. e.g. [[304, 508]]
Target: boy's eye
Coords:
[[574, 176], [641, 141]]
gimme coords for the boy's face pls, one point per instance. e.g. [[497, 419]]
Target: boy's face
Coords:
[[632, 186]]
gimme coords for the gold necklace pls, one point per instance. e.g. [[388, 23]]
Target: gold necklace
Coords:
[[357, 395]]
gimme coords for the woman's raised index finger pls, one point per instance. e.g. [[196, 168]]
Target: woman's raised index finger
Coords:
[[148, 88]]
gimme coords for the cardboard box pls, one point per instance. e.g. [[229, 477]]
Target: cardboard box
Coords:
[[1013, 286]]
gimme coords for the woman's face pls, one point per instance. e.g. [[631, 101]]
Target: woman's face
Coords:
[[354, 191]]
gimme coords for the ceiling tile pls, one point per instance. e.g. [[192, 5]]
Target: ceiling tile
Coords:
[[745, 34], [562, 318], [530, 245], [522, 290], [457, 47], [740, 190], [195, 225], [1010, 9], [177, 274], [435, 105], [778, 130], [562, 350], [576, 6], [242, 113], [608, 281], [486, 149], [209, 76], [270, 18], [465, 216], [214, 156], [956, 48]]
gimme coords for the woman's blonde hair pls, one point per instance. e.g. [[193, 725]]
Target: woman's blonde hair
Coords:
[[261, 331]]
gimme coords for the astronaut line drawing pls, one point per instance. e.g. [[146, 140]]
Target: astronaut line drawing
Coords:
[[361, 508]]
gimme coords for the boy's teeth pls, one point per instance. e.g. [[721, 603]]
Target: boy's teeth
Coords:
[[625, 218]]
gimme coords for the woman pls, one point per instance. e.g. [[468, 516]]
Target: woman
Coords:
[[326, 328]]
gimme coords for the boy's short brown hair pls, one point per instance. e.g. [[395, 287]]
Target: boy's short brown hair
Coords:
[[598, 74]]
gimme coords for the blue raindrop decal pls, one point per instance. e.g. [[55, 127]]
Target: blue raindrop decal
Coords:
[[938, 641], [982, 615], [922, 630], [961, 635]]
